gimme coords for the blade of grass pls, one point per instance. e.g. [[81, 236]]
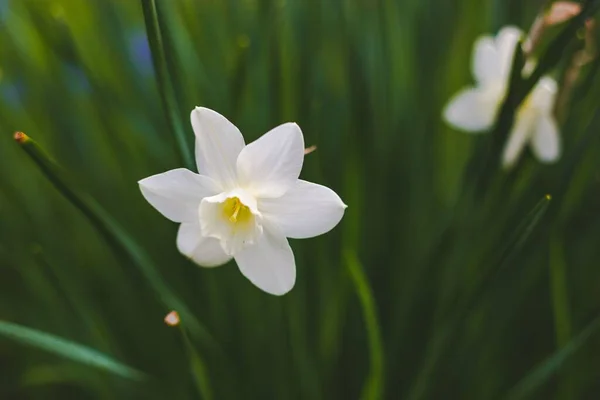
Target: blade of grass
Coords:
[[527, 386], [198, 368], [165, 86], [80, 306], [443, 336], [560, 307], [67, 349], [373, 388], [114, 234]]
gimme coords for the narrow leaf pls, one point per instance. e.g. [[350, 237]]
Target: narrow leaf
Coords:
[[114, 234], [198, 368], [165, 85], [443, 337], [560, 308], [373, 388], [67, 349], [511, 250], [545, 370]]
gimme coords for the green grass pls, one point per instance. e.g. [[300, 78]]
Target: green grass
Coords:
[[447, 278]]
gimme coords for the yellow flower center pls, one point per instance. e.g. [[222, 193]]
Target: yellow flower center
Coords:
[[235, 211]]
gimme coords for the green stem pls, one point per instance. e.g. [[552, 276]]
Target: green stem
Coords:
[[198, 368], [165, 86], [114, 234], [373, 388], [526, 387], [560, 307]]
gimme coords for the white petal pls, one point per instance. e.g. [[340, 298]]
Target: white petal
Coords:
[[269, 264], [176, 194], [204, 251], [546, 140], [472, 110], [518, 138], [506, 42], [485, 66], [270, 165], [218, 144], [544, 94], [304, 211]]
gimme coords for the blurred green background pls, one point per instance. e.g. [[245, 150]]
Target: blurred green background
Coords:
[[428, 289]]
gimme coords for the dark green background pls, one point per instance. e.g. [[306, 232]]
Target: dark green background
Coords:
[[366, 80]]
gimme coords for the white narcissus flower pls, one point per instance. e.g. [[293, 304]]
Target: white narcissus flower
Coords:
[[246, 202], [474, 109]]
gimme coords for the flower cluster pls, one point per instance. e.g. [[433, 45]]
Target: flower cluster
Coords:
[[475, 108]]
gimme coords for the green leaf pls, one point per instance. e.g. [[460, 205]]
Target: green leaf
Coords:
[[560, 307], [115, 235], [198, 368], [165, 85], [373, 388], [545, 370], [443, 337], [67, 349]]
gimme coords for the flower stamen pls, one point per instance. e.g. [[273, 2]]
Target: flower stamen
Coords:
[[237, 205]]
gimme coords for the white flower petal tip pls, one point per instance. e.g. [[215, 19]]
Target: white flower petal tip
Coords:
[[472, 110], [545, 143], [246, 201], [271, 164], [536, 126], [305, 211], [175, 193], [218, 144], [269, 264]]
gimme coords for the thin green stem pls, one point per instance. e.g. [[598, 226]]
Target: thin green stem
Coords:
[[373, 388], [165, 85], [560, 307], [121, 241], [539, 375], [197, 367]]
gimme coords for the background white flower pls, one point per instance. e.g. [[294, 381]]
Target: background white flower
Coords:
[[475, 108], [246, 202]]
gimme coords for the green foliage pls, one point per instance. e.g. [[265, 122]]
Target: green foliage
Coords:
[[66, 349], [447, 277]]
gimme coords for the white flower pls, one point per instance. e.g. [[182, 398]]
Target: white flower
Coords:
[[246, 201], [474, 109]]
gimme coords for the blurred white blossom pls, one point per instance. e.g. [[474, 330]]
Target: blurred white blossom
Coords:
[[475, 108], [246, 201]]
